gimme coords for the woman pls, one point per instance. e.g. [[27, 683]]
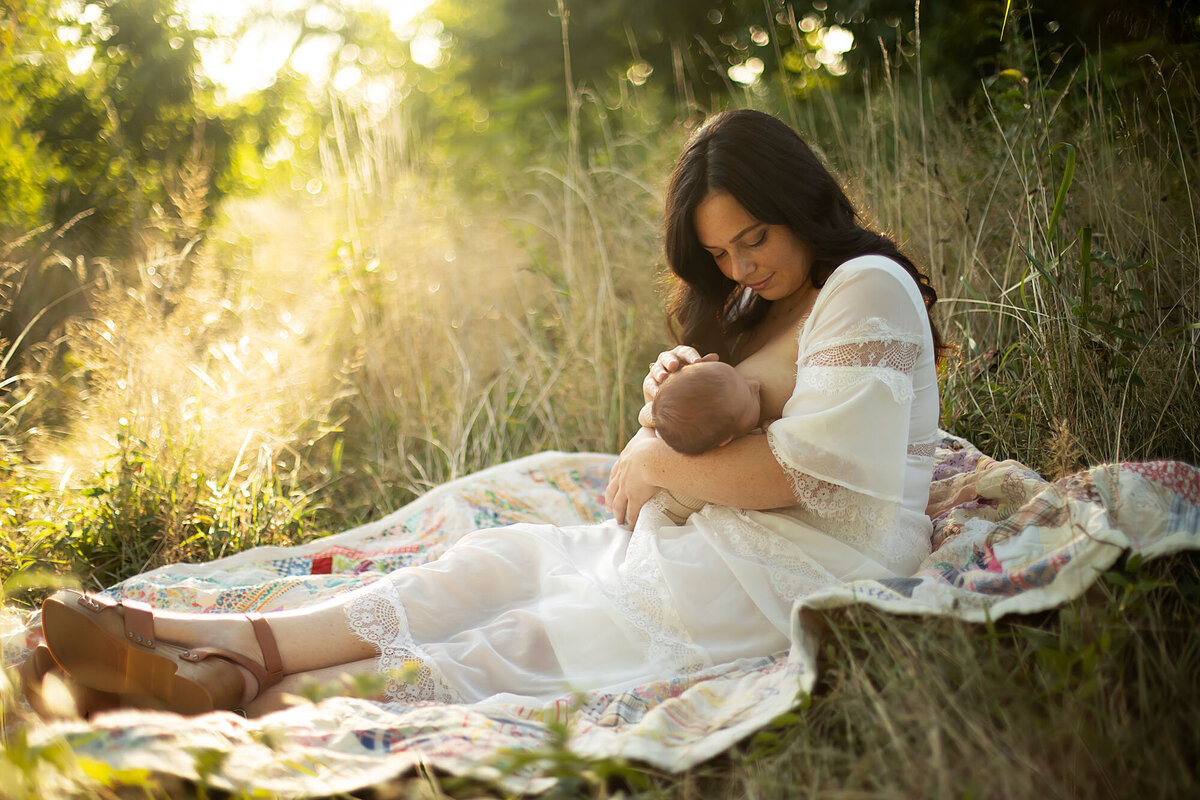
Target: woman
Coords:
[[776, 276]]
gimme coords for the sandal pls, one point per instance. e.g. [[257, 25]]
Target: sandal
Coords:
[[111, 646], [85, 700]]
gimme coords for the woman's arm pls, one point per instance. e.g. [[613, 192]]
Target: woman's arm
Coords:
[[742, 474]]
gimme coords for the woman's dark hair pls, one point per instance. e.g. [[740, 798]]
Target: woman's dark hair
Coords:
[[774, 175]]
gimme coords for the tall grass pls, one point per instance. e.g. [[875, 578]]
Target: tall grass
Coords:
[[480, 333], [333, 350], [1062, 233]]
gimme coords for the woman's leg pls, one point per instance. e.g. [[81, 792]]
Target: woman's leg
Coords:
[[283, 694], [310, 638]]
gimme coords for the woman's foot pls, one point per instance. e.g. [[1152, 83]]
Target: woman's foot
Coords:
[[230, 633], [160, 660], [52, 694]]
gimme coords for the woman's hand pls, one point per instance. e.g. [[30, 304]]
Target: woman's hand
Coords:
[[629, 487], [670, 361]]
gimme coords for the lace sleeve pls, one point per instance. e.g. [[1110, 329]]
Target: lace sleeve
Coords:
[[873, 350], [844, 437]]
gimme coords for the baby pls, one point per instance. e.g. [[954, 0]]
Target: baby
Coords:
[[704, 405]]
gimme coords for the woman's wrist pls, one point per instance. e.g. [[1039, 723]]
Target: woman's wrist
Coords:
[[653, 455]]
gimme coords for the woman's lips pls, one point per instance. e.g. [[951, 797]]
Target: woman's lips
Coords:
[[758, 287]]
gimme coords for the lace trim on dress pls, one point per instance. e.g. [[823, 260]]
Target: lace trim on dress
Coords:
[[644, 601], [873, 349], [790, 571], [377, 617], [827, 499], [832, 380], [862, 521], [922, 449], [870, 331]]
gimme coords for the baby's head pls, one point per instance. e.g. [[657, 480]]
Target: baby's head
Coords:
[[704, 405]]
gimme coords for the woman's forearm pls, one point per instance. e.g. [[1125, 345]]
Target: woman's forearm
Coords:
[[742, 474]]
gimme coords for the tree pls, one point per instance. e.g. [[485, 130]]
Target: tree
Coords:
[[511, 52], [106, 109], [968, 41], [32, 67]]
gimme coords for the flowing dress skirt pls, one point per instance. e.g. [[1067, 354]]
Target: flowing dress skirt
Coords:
[[537, 611]]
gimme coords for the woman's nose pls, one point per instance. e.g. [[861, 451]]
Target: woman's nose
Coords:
[[743, 266]]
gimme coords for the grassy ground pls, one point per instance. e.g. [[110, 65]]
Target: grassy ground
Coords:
[[331, 352]]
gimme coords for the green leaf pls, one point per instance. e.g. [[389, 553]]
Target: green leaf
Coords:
[[1120, 333], [969, 289], [208, 761], [1085, 273], [1060, 199], [1041, 271], [1116, 578]]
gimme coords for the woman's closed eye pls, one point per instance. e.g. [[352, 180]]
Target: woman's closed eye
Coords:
[[718, 253]]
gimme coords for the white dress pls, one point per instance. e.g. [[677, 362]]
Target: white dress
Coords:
[[526, 613]]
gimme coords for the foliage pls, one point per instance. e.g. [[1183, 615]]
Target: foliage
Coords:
[[135, 513], [967, 42], [1106, 300], [658, 59], [673, 43], [115, 132], [24, 169], [575, 775]]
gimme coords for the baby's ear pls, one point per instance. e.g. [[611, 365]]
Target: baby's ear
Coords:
[[646, 416]]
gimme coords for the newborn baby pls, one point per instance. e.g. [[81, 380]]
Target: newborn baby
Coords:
[[704, 405]]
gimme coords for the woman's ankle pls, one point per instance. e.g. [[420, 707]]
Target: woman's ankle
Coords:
[[217, 631], [229, 632]]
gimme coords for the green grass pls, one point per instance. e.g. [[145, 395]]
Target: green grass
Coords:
[[1095, 700], [324, 358]]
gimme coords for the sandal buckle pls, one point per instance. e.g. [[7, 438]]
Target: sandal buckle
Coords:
[[89, 602]]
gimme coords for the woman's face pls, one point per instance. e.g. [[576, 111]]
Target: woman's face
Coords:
[[768, 259]]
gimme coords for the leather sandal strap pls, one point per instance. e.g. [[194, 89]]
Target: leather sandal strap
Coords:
[[252, 666], [266, 678], [270, 649], [96, 602], [139, 622], [137, 616]]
